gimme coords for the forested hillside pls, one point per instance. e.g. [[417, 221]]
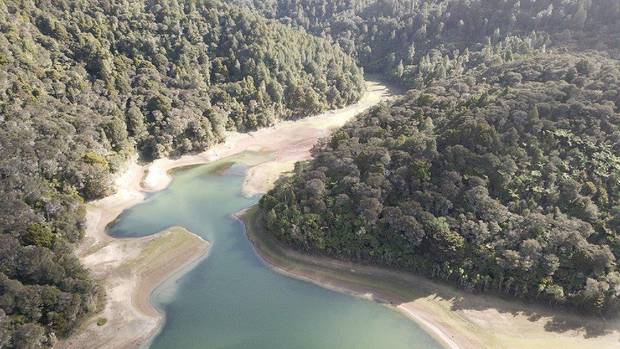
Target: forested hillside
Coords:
[[416, 41], [504, 180], [83, 84]]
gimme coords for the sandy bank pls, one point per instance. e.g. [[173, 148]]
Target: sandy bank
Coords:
[[456, 319], [289, 141], [131, 270], [342, 277]]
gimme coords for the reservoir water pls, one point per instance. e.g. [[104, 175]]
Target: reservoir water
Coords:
[[231, 299]]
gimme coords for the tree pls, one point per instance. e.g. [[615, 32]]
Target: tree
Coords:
[[580, 16], [40, 235], [400, 69]]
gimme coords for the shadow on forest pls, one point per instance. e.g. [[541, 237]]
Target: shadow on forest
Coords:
[[557, 319]]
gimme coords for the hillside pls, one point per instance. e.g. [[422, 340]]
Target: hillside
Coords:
[[85, 84], [505, 180], [417, 41]]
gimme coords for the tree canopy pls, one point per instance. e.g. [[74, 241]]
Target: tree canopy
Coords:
[[416, 41], [505, 180]]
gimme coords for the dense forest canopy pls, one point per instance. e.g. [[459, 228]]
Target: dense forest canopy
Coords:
[[416, 41], [83, 84], [504, 180], [498, 173]]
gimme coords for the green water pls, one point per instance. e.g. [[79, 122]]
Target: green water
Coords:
[[231, 299]]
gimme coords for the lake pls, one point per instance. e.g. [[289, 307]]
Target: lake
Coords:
[[231, 299]]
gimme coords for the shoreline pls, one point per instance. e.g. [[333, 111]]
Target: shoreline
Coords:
[[131, 318], [293, 264], [290, 141], [456, 319]]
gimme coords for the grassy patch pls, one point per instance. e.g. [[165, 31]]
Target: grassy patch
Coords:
[[166, 243]]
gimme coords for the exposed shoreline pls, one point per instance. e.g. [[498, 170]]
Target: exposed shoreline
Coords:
[[132, 320], [129, 269], [456, 319], [290, 141], [317, 270]]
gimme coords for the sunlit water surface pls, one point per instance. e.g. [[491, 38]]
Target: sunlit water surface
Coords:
[[231, 299]]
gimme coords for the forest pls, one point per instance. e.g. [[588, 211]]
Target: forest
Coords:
[[498, 175], [507, 182], [414, 42], [85, 84]]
